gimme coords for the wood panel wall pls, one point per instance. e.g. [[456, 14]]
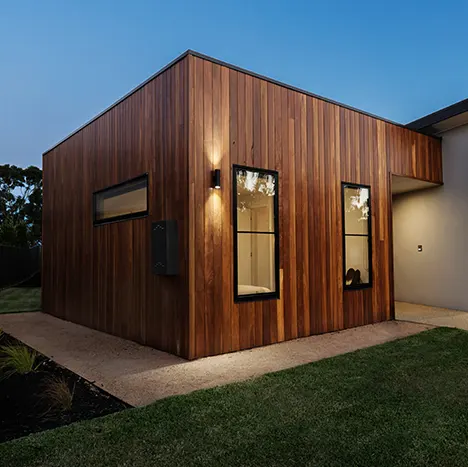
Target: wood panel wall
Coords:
[[196, 116], [236, 118], [101, 276]]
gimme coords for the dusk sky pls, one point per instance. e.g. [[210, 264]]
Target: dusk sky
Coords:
[[62, 62]]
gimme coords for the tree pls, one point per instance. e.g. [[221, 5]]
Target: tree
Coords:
[[20, 205]]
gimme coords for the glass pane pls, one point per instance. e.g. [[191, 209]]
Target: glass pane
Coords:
[[357, 260], [255, 263], [129, 198], [356, 205], [255, 198]]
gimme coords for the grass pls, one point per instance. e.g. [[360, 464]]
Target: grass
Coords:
[[58, 395], [17, 359], [18, 299], [404, 403]]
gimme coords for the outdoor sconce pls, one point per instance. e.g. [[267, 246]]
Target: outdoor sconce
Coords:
[[217, 179]]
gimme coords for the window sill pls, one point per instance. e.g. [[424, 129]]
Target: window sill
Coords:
[[357, 287], [127, 217], [256, 297]]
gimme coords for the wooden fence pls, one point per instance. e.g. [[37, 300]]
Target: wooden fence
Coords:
[[20, 266]]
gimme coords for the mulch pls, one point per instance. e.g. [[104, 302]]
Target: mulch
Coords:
[[25, 409]]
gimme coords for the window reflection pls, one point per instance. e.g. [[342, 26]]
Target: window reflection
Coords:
[[256, 235], [356, 204]]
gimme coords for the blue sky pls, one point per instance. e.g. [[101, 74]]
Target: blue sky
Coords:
[[62, 62]]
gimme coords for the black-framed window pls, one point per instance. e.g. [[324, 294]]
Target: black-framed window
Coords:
[[127, 200], [357, 236], [256, 239]]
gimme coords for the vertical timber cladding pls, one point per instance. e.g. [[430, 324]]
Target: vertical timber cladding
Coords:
[[195, 116], [101, 276], [237, 118]]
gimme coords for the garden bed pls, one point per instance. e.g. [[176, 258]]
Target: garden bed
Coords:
[[37, 400], [403, 403]]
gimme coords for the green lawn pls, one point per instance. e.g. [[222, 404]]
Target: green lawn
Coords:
[[19, 299], [404, 403]]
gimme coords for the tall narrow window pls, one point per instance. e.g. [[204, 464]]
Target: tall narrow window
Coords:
[[126, 200], [256, 242], [357, 236]]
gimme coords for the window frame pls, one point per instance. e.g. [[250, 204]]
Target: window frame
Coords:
[[368, 285], [265, 295], [123, 217]]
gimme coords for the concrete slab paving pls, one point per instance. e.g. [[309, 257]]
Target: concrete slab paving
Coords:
[[431, 315], [140, 375]]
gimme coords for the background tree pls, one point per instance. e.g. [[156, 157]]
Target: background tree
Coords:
[[20, 205]]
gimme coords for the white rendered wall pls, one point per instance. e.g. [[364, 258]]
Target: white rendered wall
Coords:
[[437, 219]]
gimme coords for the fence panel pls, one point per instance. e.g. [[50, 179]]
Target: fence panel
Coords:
[[20, 265]]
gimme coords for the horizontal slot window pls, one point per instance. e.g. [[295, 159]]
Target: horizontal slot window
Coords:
[[120, 202]]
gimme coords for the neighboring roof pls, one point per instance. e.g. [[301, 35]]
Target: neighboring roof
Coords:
[[444, 119], [233, 67]]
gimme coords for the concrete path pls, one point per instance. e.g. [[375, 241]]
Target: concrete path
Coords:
[[140, 375], [431, 315]]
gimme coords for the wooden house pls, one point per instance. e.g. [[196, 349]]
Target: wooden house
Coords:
[[212, 209]]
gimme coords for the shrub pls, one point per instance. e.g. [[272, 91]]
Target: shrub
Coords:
[[17, 359], [58, 395]]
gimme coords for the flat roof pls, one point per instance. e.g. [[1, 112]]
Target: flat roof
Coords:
[[429, 123], [236, 68]]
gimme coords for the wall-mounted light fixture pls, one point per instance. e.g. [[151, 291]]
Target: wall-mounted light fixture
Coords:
[[217, 179]]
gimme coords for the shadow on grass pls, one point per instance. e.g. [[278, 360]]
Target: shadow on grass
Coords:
[[20, 299]]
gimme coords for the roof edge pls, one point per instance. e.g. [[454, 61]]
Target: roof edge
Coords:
[[294, 88], [134, 90], [241, 70], [438, 116]]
